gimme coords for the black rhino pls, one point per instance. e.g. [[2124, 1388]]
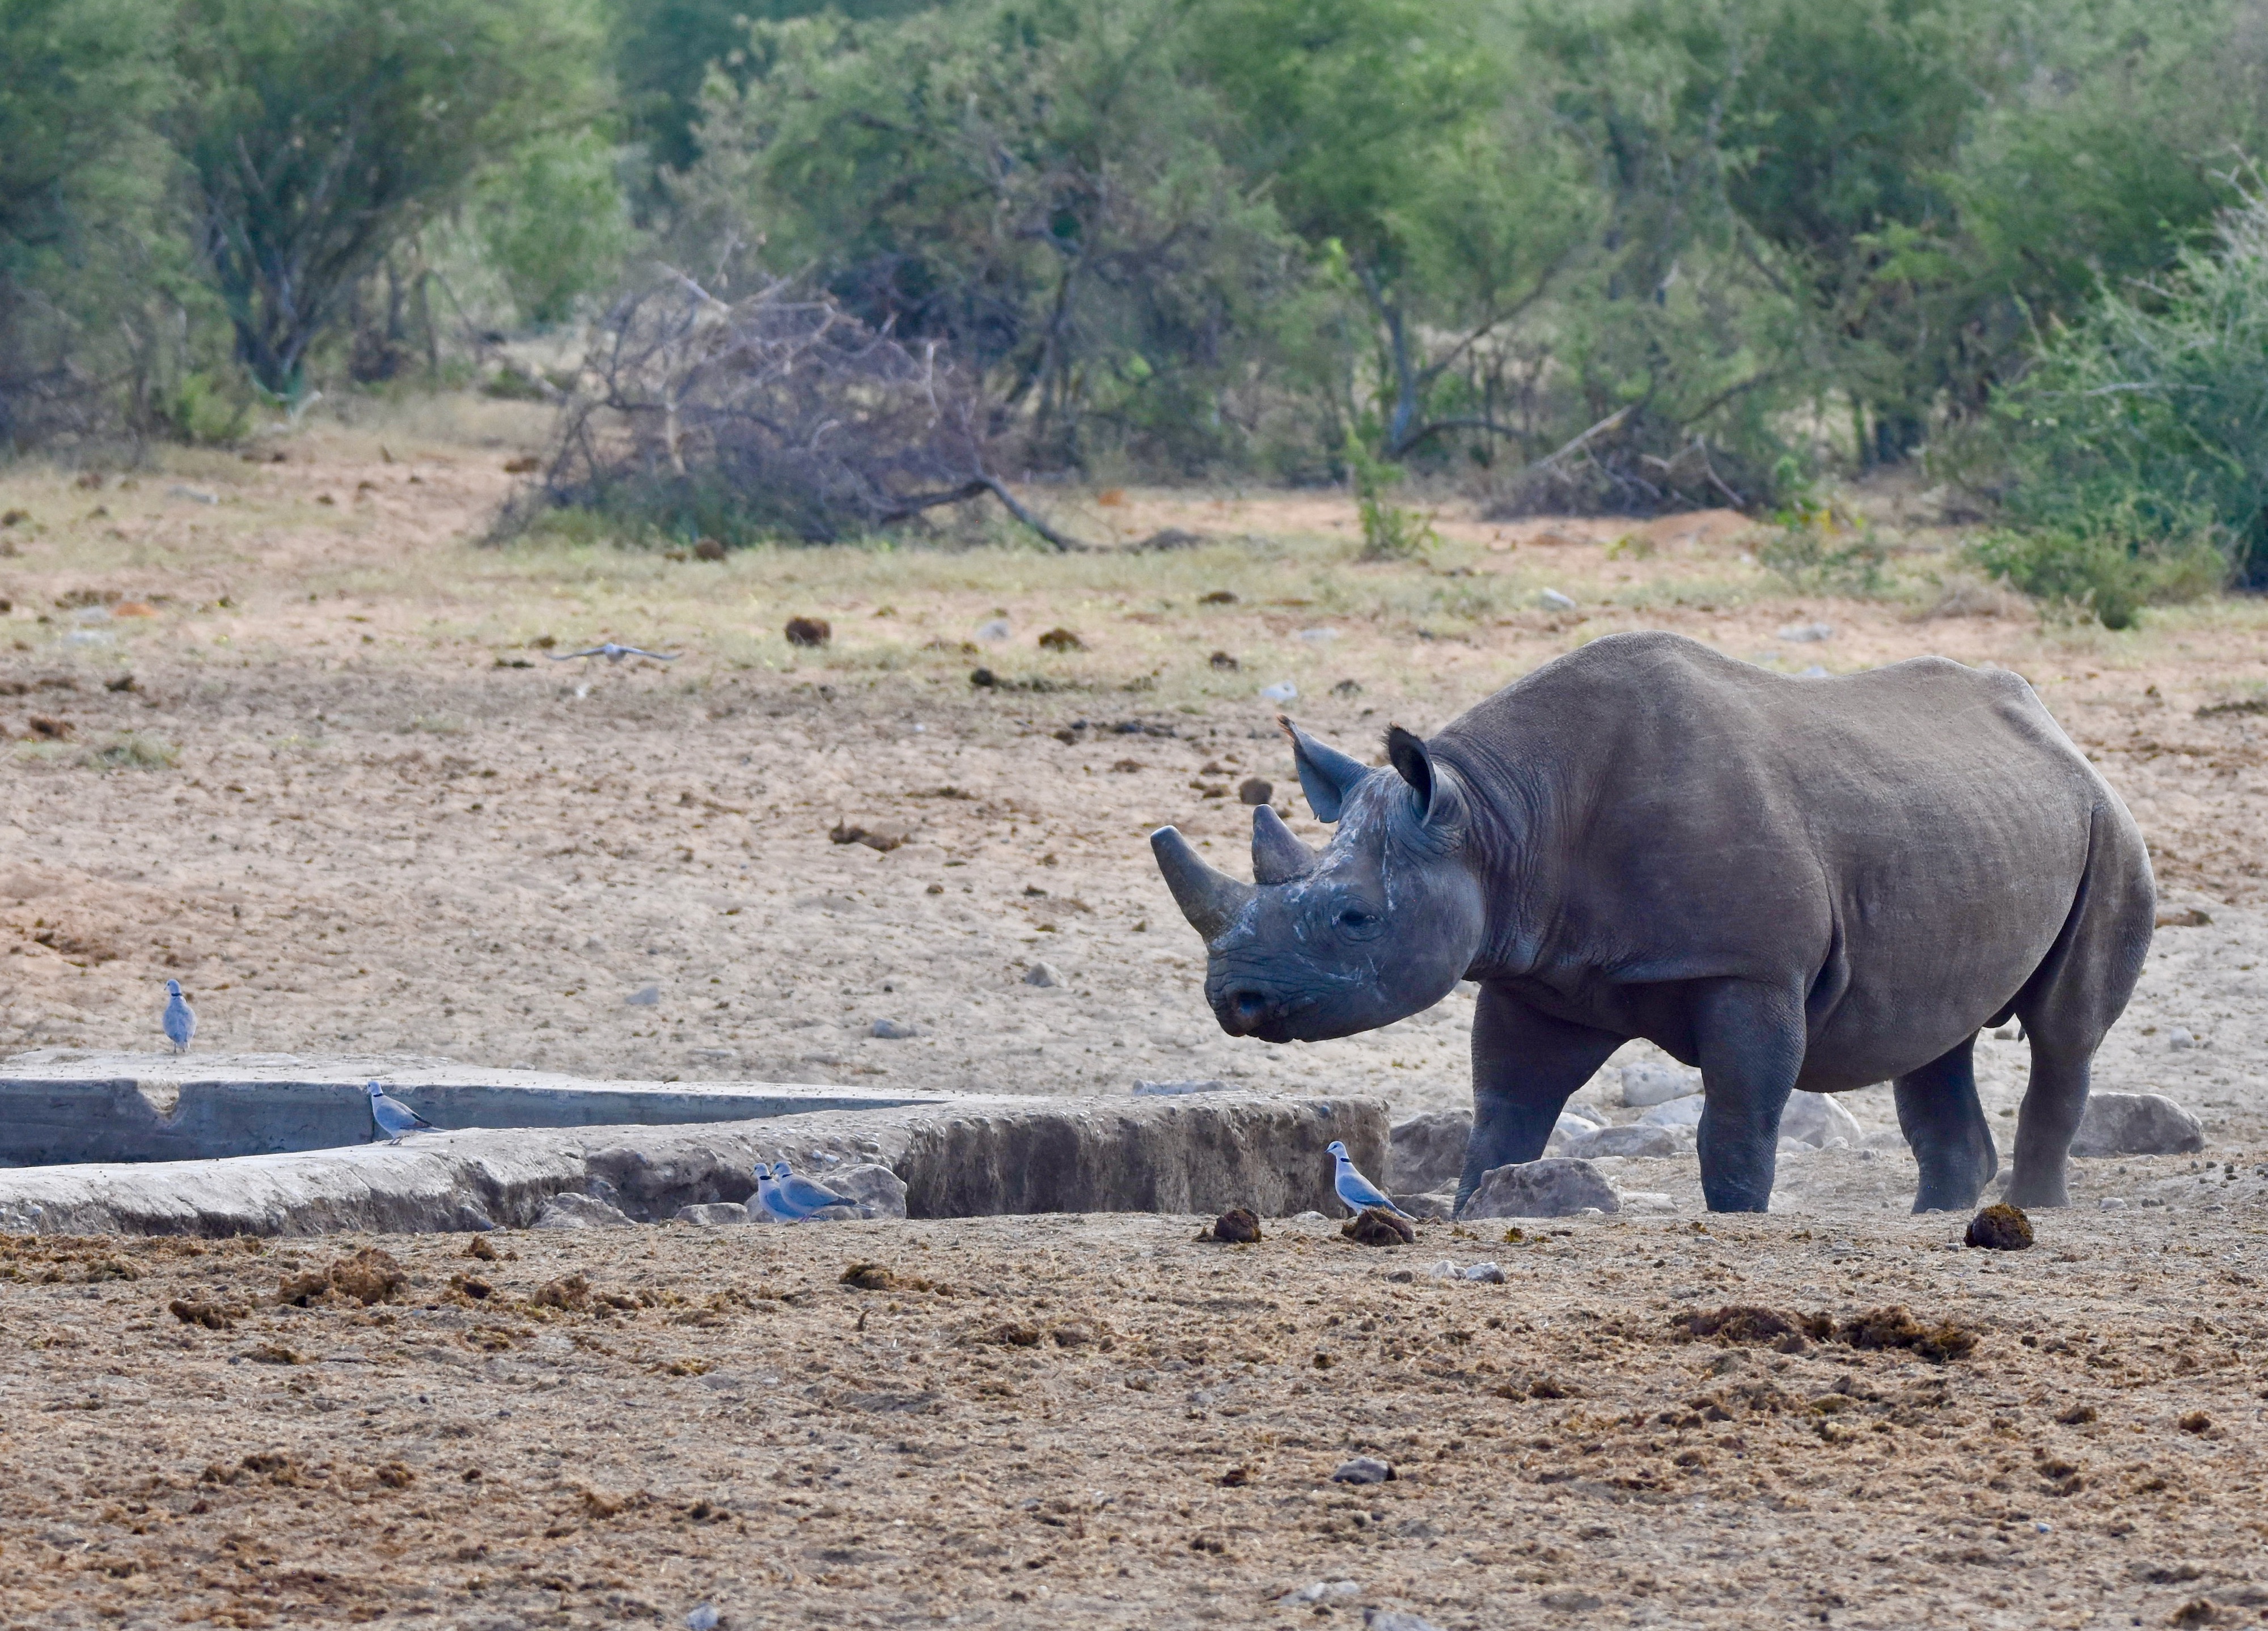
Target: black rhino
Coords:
[[1794, 884]]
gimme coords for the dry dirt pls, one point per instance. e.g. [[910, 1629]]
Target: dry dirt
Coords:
[[1102, 1422], [350, 803]]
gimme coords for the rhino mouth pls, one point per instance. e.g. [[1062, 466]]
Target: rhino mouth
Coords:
[[1251, 1010]]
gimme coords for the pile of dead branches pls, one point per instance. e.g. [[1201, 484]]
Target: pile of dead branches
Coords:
[[779, 415]]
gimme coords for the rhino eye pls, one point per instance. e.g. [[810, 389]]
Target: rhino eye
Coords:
[[1355, 920]]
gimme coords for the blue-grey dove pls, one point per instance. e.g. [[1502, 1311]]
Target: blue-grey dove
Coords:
[[393, 1118], [800, 1195], [1355, 1190], [180, 1018], [614, 653]]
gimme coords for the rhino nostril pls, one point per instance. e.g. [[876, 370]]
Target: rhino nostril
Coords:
[[1249, 1004]]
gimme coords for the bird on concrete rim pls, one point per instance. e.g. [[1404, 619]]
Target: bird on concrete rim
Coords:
[[614, 653], [180, 1018], [1355, 1190], [396, 1118], [801, 1196]]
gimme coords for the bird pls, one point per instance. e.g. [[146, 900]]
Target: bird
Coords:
[[768, 1201], [1355, 1190], [180, 1018], [800, 1195], [394, 1117], [614, 653]]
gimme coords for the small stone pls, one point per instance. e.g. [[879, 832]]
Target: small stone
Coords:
[[2136, 1124], [1237, 1226], [878, 1191], [996, 630], [1317, 636], [714, 1214], [1178, 1090], [2111, 1203], [702, 1619], [1813, 1119], [1437, 1208], [1282, 691], [1364, 1470], [1648, 1083], [709, 549], [644, 996], [1552, 600], [1393, 1619], [2177, 1039], [1482, 1273], [893, 1031], [1376, 1226], [1803, 633], [1255, 790], [1677, 1112], [876, 833], [1640, 1141], [804, 631], [1554, 1187], [1569, 1600], [571, 1210], [2000, 1228], [1045, 976], [1322, 1591]]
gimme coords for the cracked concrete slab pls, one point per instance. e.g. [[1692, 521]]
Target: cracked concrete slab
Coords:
[[959, 1158]]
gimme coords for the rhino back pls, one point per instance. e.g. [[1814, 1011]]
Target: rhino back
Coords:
[[1906, 843]]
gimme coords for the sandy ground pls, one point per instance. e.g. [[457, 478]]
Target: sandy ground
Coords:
[[1101, 1422], [350, 803]]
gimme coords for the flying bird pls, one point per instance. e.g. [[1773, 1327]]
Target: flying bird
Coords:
[[801, 1196], [614, 653], [396, 1118], [1355, 1190], [180, 1018]]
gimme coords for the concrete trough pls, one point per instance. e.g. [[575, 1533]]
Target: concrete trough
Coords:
[[60, 1106], [960, 1156]]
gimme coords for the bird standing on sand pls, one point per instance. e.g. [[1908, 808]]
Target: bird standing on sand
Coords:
[[768, 1201], [614, 653], [1357, 1191], [800, 1195], [180, 1018], [395, 1117]]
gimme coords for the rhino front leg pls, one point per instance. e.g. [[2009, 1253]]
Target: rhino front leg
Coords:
[[1525, 1066], [1750, 1039]]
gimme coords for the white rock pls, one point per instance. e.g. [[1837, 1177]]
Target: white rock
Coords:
[[1800, 633], [1554, 1186], [1428, 1151], [1045, 976], [1282, 691], [1640, 1140], [1647, 1201], [1443, 1270], [1363, 1469], [714, 1214], [571, 1210], [2178, 1038], [1317, 636], [894, 1029], [2111, 1203], [1676, 1112], [1651, 1083], [872, 1185], [644, 996], [1814, 1118], [1322, 1591], [2136, 1124], [1485, 1274], [996, 630]]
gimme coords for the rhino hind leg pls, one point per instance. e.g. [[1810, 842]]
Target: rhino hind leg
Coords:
[[1939, 1113], [2074, 997]]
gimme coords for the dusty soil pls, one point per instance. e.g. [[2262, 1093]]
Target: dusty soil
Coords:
[[1098, 1422], [350, 803]]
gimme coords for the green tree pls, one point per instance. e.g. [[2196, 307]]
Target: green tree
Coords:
[[554, 223], [320, 133], [1037, 184]]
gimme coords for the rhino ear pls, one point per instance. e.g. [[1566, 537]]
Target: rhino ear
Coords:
[[1326, 775], [1440, 797]]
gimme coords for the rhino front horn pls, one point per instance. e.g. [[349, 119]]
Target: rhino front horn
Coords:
[[1210, 899]]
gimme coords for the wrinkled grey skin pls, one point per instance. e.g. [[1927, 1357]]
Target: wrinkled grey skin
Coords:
[[1794, 884]]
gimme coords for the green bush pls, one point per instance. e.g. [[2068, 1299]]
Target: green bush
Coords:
[[2138, 430], [2098, 573]]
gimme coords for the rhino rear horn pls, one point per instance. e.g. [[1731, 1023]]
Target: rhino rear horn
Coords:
[[1210, 899], [1277, 855], [1326, 775]]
